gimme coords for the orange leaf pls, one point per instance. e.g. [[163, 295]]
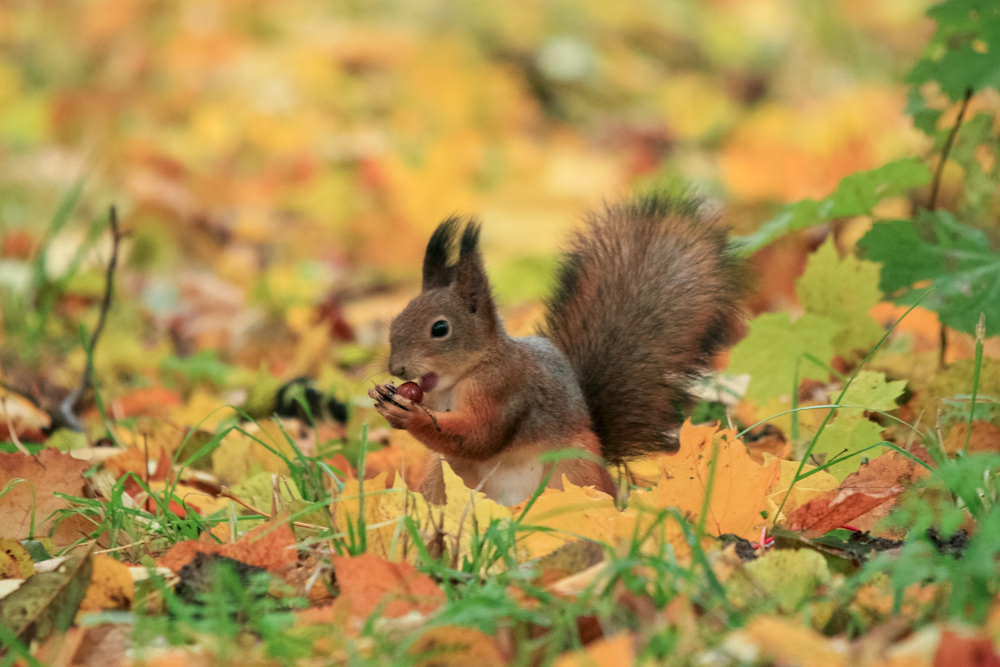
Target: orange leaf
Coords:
[[878, 481], [270, 546], [739, 489], [985, 437], [617, 651], [965, 650], [369, 582], [111, 586]]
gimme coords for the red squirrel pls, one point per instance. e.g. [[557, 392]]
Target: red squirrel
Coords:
[[646, 295]]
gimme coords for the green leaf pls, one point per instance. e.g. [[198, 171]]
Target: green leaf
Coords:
[[851, 431], [47, 602], [870, 390], [964, 53], [856, 194], [845, 291], [773, 349], [963, 272], [786, 577]]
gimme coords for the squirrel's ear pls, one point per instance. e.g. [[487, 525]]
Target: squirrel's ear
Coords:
[[437, 271], [471, 283]]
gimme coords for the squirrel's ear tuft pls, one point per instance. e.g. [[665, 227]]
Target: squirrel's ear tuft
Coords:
[[438, 272], [471, 282]]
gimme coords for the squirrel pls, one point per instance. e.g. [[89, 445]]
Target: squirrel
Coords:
[[646, 295]]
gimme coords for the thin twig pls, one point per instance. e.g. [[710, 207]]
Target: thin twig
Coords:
[[68, 407], [946, 150], [935, 188]]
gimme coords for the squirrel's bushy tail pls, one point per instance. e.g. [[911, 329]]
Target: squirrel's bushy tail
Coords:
[[646, 295]]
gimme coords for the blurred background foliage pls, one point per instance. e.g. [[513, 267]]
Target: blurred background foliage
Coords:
[[278, 164]]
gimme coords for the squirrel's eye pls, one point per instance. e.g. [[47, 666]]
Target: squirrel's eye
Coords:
[[439, 329]]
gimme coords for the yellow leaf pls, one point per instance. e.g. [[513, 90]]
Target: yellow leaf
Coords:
[[804, 491], [451, 525], [570, 515], [464, 511], [111, 586], [384, 510], [740, 485]]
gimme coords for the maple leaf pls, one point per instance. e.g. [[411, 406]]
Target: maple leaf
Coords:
[[845, 290], [570, 514], [739, 489], [775, 349], [850, 431]]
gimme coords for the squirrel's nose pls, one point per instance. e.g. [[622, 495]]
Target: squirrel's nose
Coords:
[[398, 371]]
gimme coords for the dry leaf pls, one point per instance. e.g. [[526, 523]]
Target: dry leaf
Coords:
[[616, 651], [19, 416], [985, 437], [877, 482], [270, 546], [46, 473], [572, 514], [48, 601], [965, 649], [372, 583], [740, 487], [111, 586], [455, 646]]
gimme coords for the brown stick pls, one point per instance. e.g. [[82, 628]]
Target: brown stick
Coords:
[[946, 150], [68, 407]]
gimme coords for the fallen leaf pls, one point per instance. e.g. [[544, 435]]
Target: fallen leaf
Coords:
[[569, 515], [877, 482], [801, 493], [455, 646], [740, 487], [48, 472], [111, 586], [985, 437], [786, 642], [15, 562], [48, 601], [372, 583], [788, 577], [615, 651], [269, 546], [20, 417], [966, 649]]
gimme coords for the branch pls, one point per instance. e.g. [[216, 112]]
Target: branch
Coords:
[[67, 408], [946, 149]]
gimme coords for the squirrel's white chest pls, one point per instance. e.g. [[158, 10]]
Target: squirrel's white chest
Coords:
[[503, 481]]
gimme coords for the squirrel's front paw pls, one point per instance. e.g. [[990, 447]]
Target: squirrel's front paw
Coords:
[[398, 411]]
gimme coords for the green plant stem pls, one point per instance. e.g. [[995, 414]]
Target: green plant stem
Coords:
[[980, 337]]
